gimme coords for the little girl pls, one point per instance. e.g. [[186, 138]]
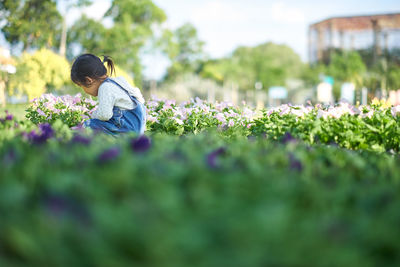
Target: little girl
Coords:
[[121, 106]]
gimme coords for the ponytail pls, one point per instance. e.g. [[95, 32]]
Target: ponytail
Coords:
[[89, 65], [110, 65]]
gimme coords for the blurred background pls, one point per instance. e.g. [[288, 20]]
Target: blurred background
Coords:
[[262, 52]]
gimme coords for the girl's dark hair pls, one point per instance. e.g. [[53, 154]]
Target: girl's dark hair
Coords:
[[89, 65]]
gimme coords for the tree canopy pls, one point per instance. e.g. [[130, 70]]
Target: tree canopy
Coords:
[[184, 48], [269, 63], [32, 23], [132, 28]]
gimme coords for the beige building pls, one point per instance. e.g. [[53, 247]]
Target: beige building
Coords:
[[376, 32]]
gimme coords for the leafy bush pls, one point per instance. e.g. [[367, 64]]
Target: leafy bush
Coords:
[[71, 110], [202, 200], [39, 72], [375, 127], [195, 116]]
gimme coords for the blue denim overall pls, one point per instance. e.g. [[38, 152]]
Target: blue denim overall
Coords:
[[122, 121]]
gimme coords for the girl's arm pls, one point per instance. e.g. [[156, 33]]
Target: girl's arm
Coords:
[[106, 101]]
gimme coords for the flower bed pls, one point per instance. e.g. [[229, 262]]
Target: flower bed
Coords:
[[196, 115], [260, 197], [162, 199], [71, 110], [374, 127]]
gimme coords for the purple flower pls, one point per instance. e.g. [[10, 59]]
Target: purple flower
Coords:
[[79, 139], [213, 156], [59, 205], [47, 130], [141, 144], [33, 137], [29, 135], [78, 127], [288, 138], [294, 163], [40, 112], [109, 154], [9, 117]]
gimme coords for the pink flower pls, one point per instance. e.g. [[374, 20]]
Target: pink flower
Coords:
[[220, 117], [41, 113], [152, 118]]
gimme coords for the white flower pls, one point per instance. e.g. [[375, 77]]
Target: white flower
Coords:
[[322, 114], [395, 110], [179, 121]]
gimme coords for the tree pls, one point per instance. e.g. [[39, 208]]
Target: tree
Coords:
[[34, 23], [134, 21], [87, 35], [67, 6], [394, 78], [184, 48], [384, 75], [311, 74], [347, 67], [133, 25], [268, 63], [38, 73]]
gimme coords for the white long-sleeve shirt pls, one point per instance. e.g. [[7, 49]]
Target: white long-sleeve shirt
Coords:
[[110, 95]]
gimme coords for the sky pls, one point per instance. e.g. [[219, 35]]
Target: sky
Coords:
[[226, 24]]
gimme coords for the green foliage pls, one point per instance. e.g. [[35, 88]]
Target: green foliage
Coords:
[[383, 75], [311, 74], [347, 67], [18, 110], [372, 128], [70, 199], [89, 36], [133, 27], [269, 63], [69, 110], [394, 78], [183, 48], [40, 72], [65, 204], [133, 24], [34, 23]]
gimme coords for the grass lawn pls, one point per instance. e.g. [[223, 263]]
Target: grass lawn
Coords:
[[18, 110]]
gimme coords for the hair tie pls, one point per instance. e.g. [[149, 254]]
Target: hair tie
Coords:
[[105, 59]]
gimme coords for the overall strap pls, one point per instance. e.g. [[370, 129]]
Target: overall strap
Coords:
[[120, 86]]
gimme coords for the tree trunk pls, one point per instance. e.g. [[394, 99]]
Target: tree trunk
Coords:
[[63, 43], [3, 93]]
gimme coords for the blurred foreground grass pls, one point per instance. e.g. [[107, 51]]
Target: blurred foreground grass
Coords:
[[18, 110]]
